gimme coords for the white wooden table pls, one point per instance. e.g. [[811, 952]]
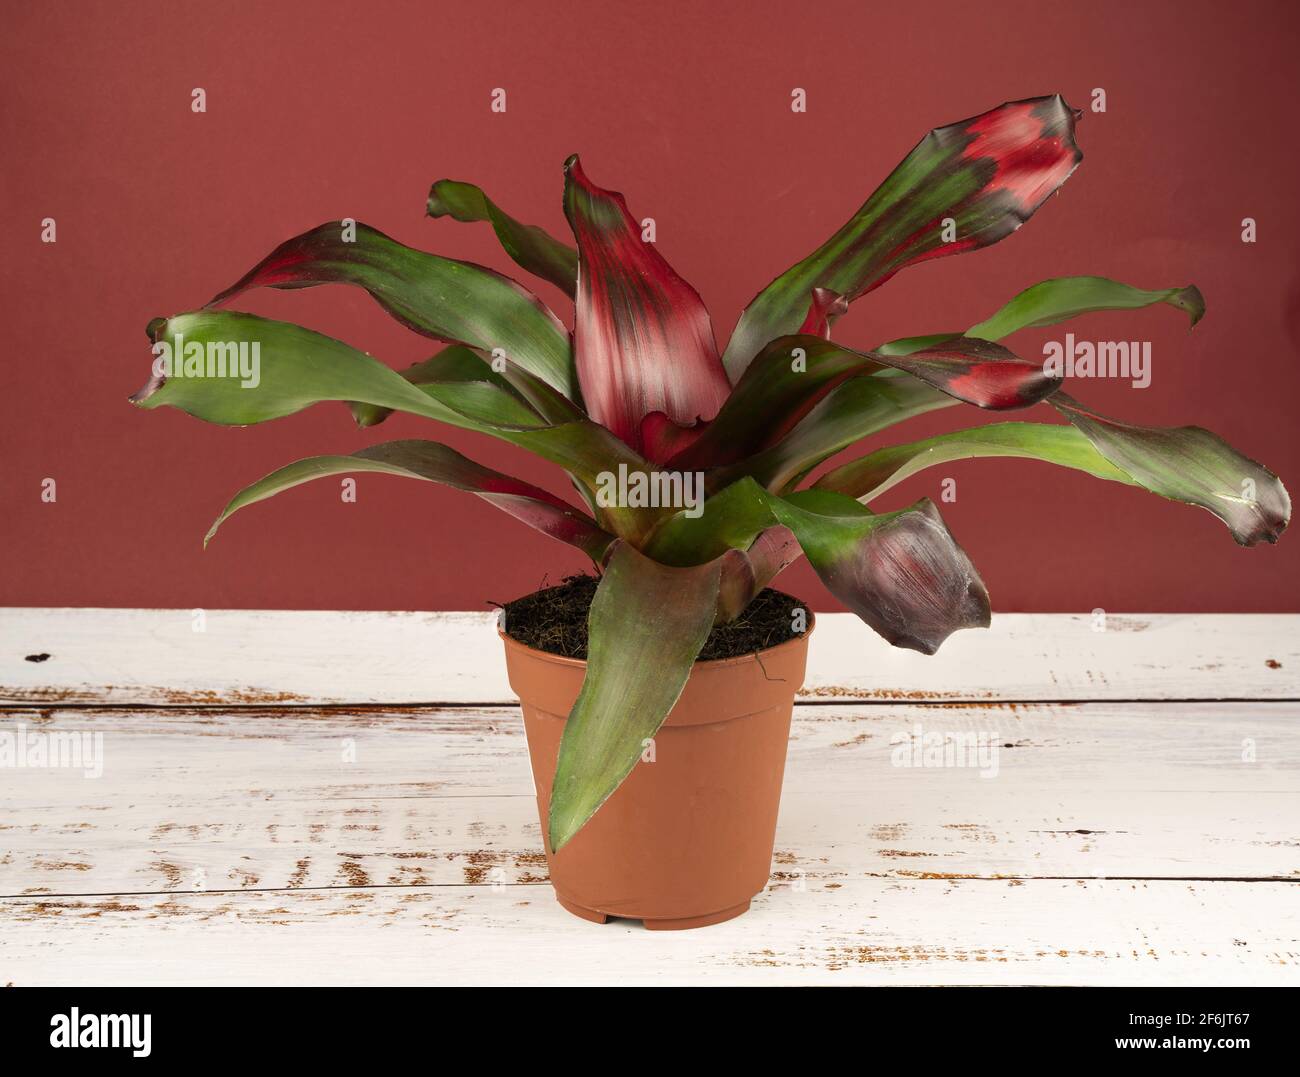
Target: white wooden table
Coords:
[[294, 797]]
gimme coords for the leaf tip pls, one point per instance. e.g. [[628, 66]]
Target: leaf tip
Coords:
[[433, 205], [157, 379], [560, 831], [451, 198]]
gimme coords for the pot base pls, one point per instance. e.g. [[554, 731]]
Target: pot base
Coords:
[[682, 924]]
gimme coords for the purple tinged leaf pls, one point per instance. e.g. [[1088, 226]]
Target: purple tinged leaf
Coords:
[[1190, 464]]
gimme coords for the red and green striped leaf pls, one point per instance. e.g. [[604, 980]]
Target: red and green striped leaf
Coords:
[[529, 246], [437, 463], [662, 439], [643, 342], [987, 175], [791, 375], [835, 425], [826, 306], [457, 302], [855, 409]]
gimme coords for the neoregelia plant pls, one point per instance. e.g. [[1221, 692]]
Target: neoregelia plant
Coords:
[[638, 389]]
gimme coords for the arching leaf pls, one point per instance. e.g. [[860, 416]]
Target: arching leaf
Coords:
[[437, 463], [529, 246], [963, 187], [457, 302]]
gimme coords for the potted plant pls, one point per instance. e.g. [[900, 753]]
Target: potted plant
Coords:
[[692, 469]]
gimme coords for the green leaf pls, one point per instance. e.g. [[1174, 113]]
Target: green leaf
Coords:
[[1192, 465], [1052, 301], [299, 368], [834, 425], [873, 474], [853, 410], [732, 519], [438, 463], [458, 363], [290, 369], [530, 247], [457, 302], [791, 374], [1186, 464], [909, 345], [454, 363], [986, 175], [646, 625]]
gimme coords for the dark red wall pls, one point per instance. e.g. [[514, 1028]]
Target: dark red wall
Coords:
[[324, 110]]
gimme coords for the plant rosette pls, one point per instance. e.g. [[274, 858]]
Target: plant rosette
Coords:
[[695, 470]]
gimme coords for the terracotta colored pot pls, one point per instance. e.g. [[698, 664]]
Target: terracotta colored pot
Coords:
[[687, 839]]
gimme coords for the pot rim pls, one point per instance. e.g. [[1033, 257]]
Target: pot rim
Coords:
[[709, 663]]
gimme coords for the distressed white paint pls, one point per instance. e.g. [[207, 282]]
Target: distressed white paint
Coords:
[[262, 838], [264, 799], [874, 931], [249, 656]]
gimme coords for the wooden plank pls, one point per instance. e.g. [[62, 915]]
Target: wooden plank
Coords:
[[873, 931], [198, 799], [302, 657]]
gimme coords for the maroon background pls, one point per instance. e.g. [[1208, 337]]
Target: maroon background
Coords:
[[319, 111]]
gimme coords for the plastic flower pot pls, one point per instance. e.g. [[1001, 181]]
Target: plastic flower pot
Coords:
[[687, 839]]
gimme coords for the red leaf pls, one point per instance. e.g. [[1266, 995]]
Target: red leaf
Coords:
[[643, 341], [826, 306]]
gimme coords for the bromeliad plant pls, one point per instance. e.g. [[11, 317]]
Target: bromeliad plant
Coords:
[[639, 388]]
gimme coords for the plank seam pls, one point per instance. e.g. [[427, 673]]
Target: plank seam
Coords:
[[10, 704], [1245, 879]]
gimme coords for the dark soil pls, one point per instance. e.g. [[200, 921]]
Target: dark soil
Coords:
[[555, 621]]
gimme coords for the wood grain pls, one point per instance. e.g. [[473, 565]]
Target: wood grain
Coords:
[[203, 799], [298, 824], [875, 931]]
